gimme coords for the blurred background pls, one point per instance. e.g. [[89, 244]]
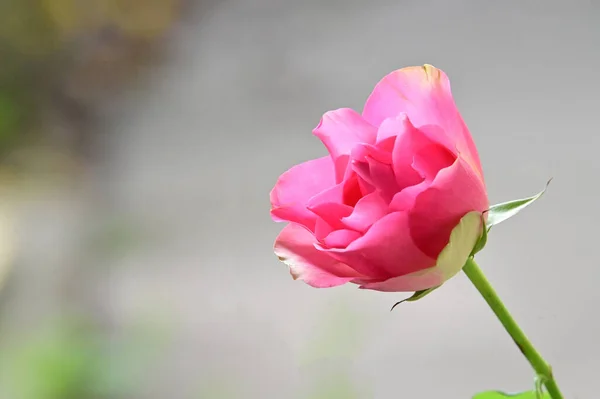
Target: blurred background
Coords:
[[139, 140]]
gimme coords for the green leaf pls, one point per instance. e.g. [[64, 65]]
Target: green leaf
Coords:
[[500, 212], [416, 296], [502, 395]]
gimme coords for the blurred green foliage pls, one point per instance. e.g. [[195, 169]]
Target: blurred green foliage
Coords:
[[335, 386], [71, 355], [339, 333], [219, 389], [57, 364], [72, 360], [11, 118]]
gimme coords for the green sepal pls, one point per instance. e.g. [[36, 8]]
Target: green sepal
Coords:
[[482, 240], [416, 296]]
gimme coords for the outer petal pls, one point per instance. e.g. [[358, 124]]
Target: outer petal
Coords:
[[340, 130], [424, 94], [417, 281], [451, 260], [455, 191], [296, 186], [343, 128], [386, 250], [295, 247]]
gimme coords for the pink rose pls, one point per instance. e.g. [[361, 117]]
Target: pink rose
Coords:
[[379, 210]]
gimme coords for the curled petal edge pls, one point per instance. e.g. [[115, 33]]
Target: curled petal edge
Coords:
[[295, 247]]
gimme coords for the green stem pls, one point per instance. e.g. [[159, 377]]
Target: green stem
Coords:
[[540, 366]]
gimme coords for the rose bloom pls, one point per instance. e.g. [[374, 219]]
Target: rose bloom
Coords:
[[381, 207]]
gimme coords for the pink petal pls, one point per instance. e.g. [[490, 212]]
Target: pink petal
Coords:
[[387, 144], [295, 247], [429, 160], [449, 262], [322, 229], [296, 186], [342, 167], [329, 206], [377, 174], [332, 213], [405, 199], [417, 281], [394, 126], [367, 211], [336, 200], [410, 140], [347, 192], [342, 129], [363, 151], [364, 187], [353, 190], [424, 94], [455, 191], [386, 250], [341, 238]]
